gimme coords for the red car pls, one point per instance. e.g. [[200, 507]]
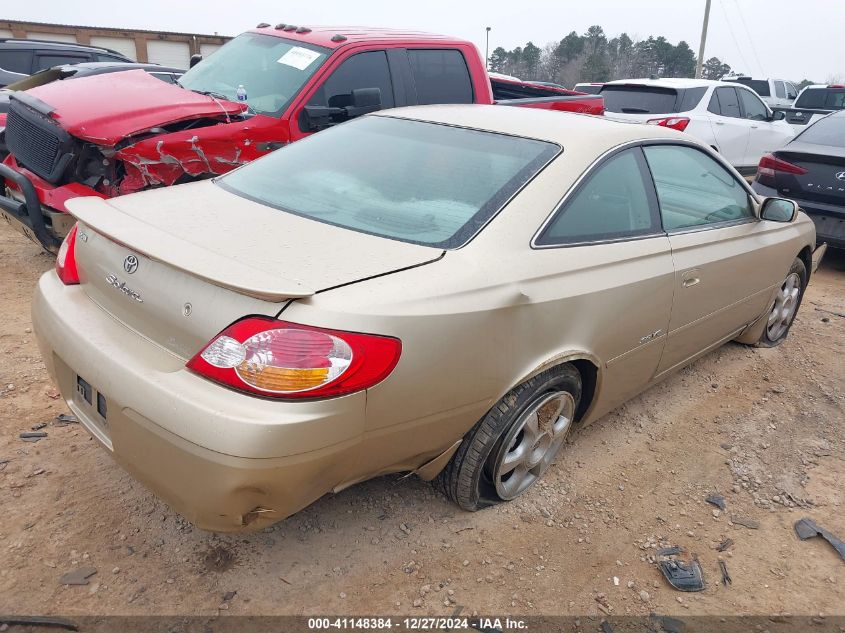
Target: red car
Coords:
[[111, 135]]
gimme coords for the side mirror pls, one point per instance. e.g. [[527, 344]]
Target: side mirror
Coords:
[[196, 58], [779, 115], [361, 101], [778, 210]]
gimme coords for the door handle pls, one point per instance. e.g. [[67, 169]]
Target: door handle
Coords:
[[690, 281], [720, 122]]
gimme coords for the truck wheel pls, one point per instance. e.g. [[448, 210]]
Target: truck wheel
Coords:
[[510, 448], [785, 307]]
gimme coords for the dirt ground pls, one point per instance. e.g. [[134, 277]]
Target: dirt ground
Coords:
[[762, 427]]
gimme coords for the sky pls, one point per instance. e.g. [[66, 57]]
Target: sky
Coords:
[[788, 39]]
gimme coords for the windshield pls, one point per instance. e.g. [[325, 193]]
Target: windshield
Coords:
[[271, 70], [822, 99], [411, 181]]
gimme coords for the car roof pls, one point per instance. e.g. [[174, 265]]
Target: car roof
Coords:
[[570, 130], [70, 46], [93, 68], [666, 82], [330, 36]]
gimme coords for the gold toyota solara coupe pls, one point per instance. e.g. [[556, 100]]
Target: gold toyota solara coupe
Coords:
[[440, 290]]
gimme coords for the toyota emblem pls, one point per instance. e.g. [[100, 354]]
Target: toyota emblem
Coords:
[[130, 264]]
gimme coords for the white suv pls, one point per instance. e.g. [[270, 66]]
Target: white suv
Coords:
[[776, 93], [729, 117]]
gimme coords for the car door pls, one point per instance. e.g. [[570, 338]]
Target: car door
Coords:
[[729, 128], [611, 261], [367, 69], [720, 250], [766, 135]]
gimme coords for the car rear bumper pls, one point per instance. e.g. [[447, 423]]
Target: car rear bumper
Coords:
[[224, 460], [828, 218]]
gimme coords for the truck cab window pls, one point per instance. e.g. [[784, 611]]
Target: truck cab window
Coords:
[[440, 76], [364, 70]]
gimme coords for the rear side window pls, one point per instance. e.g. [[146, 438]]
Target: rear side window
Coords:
[[754, 108], [760, 86], [827, 131], [612, 203], [16, 61], [639, 99], [780, 90], [690, 98], [411, 181], [48, 61], [364, 70], [694, 190], [725, 102], [791, 91], [440, 76], [821, 99]]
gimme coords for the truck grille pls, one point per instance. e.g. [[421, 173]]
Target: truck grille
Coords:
[[36, 143]]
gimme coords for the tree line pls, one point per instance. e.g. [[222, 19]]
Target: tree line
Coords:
[[592, 57]]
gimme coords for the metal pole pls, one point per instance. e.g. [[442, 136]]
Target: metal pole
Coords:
[[487, 50], [700, 64]]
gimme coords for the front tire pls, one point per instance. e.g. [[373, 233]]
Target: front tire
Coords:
[[511, 447], [785, 307]]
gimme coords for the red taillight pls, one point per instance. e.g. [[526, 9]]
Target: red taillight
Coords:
[[770, 164], [278, 359], [66, 260], [679, 123]]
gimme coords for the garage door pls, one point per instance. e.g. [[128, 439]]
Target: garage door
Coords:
[[208, 49], [122, 45], [5, 33], [168, 53], [52, 37]]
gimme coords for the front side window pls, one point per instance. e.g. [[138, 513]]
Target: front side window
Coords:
[[725, 103], [364, 70], [612, 203], [271, 69], [411, 181], [694, 190], [754, 108], [440, 76]]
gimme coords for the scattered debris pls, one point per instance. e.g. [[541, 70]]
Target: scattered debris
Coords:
[[807, 528], [726, 577], [35, 473], [78, 576], [38, 621], [668, 624], [63, 419], [718, 501], [39, 426], [286, 581], [605, 627], [3, 463], [229, 595], [721, 547], [751, 524], [33, 437], [682, 575]]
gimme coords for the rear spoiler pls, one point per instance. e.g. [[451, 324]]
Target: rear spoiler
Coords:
[[108, 220]]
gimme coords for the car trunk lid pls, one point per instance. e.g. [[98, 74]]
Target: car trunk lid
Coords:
[[179, 265], [822, 181]]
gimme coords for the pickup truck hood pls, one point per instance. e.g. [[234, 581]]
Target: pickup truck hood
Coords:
[[104, 109]]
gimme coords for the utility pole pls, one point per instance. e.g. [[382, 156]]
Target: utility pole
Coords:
[[703, 41], [487, 50]]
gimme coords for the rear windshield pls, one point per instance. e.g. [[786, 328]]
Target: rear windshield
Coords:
[[411, 181], [827, 131], [639, 99], [760, 86], [822, 99]]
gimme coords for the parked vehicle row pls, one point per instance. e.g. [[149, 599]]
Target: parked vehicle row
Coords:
[[773, 92], [433, 290], [814, 102], [21, 58], [108, 136], [729, 118]]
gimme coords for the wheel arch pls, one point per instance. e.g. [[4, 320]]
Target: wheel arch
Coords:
[[806, 256], [589, 368]]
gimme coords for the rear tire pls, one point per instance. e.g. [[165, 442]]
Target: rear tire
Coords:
[[781, 315], [511, 447]]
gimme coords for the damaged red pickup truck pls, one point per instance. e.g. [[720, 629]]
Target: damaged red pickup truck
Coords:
[[115, 134]]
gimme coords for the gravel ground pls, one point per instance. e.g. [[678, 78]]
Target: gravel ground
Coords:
[[762, 427]]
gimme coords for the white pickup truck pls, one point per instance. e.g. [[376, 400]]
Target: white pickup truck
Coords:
[[775, 93], [813, 103]]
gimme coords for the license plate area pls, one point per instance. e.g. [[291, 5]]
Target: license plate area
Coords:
[[93, 402]]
